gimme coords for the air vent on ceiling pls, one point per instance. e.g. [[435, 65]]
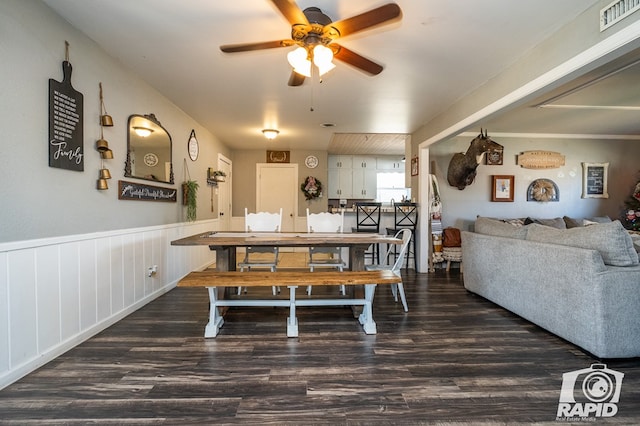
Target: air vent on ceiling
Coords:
[[616, 11]]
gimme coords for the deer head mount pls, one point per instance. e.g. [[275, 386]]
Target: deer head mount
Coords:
[[462, 167]]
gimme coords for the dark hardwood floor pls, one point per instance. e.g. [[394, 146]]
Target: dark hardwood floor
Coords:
[[455, 358]]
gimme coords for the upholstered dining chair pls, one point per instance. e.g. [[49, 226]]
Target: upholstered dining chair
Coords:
[[325, 256], [405, 235], [261, 256]]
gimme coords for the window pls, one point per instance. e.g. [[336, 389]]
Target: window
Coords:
[[390, 185]]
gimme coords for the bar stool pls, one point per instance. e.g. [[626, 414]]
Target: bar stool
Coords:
[[405, 216], [368, 220]]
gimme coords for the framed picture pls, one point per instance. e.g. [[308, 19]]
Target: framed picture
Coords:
[[414, 166], [502, 188], [278, 156], [594, 180], [494, 157]]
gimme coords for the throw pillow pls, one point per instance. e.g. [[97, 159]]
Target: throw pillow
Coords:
[[571, 222], [610, 239], [499, 228], [558, 222]]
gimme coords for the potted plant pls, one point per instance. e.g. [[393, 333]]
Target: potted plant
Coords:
[[189, 198]]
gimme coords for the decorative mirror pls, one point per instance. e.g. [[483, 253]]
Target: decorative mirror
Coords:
[[149, 149]]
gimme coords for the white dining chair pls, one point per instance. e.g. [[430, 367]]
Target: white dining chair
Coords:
[[405, 235], [330, 257], [261, 256]]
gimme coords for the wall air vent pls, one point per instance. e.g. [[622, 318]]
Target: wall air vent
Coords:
[[616, 11]]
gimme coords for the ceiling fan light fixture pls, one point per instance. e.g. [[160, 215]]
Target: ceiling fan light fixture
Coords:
[[270, 134], [298, 60], [322, 57]]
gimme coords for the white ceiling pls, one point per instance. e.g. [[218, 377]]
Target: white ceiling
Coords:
[[436, 54]]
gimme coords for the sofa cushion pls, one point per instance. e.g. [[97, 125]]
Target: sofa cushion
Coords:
[[610, 239], [576, 223], [558, 222], [499, 228]]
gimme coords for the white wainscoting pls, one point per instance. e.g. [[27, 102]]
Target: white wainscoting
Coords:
[[57, 292]]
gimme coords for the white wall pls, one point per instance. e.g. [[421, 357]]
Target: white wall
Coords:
[[40, 201], [73, 260], [460, 207]]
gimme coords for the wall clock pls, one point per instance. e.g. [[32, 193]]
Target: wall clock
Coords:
[[311, 161], [192, 146], [150, 159]]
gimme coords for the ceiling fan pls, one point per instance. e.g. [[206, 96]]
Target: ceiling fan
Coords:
[[315, 33]]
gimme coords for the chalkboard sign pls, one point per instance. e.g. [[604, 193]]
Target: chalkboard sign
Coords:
[[144, 192], [66, 149], [594, 180]]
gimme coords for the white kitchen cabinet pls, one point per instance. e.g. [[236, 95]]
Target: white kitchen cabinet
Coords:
[[393, 164], [365, 183], [340, 183], [339, 161], [363, 162]]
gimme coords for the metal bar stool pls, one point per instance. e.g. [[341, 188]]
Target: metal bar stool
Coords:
[[368, 220], [405, 216]]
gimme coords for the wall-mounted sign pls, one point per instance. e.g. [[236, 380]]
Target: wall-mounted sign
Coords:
[[594, 180], [540, 160], [66, 150], [278, 157], [143, 192]]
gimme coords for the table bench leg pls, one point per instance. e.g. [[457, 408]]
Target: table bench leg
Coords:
[[292, 321], [215, 318], [366, 317]]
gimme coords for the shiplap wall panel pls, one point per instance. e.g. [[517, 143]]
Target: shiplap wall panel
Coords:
[[48, 295], [4, 313], [87, 283], [22, 306], [56, 292], [103, 278], [116, 274], [69, 291], [128, 268]]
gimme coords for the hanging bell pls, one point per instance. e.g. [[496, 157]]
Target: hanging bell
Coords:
[[107, 154], [102, 184], [102, 145], [106, 120], [105, 174]]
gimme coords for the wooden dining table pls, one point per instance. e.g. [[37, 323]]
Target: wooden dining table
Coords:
[[225, 243]]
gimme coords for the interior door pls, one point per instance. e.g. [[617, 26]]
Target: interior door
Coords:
[[224, 194], [276, 187]]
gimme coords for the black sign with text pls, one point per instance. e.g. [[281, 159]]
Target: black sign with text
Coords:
[[143, 192], [66, 149]]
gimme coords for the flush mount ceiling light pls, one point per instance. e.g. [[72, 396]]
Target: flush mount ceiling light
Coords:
[[314, 35], [143, 132], [270, 134]]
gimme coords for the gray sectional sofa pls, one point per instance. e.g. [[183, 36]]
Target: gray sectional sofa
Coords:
[[582, 284]]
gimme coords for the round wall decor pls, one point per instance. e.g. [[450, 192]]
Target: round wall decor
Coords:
[[311, 161], [150, 159], [192, 146], [543, 190]]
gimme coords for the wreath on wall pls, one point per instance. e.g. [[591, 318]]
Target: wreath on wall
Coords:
[[311, 188], [543, 190]]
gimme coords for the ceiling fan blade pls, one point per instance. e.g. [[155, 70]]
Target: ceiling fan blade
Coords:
[[295, 79], [352, 58], [247, 47], [365, 20], [291, 11]]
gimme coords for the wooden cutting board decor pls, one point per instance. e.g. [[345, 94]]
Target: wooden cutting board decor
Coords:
[[540, 160]]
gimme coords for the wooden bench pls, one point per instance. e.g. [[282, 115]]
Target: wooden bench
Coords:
[[214, 280]]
